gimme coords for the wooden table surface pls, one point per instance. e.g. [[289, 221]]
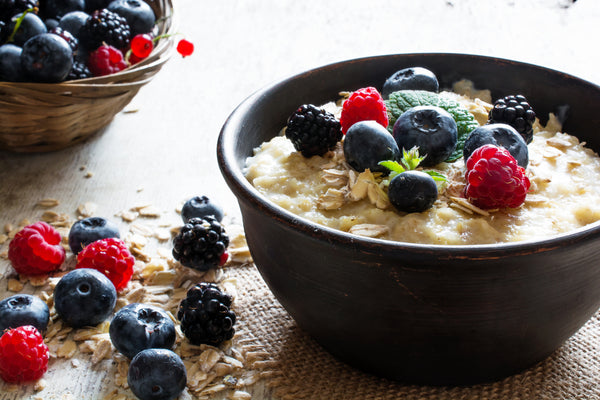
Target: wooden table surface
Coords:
[[163, 150]]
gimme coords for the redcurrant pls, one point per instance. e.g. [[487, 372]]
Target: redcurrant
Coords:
[[142, 45], [185, 47]]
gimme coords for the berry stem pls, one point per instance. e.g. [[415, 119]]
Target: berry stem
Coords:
[[18, 23]]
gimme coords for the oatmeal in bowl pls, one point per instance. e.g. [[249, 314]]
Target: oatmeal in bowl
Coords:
[[461, 309]]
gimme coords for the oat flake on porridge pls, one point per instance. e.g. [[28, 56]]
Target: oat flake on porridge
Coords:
[[563, 195]]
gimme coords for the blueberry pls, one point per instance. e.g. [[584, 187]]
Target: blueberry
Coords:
[[47, 58], [73, 21], [416, 78], [157, 374], [138, 13], [500, 135], [57, 8], [31, 26], [200, 207], [412, 191], [50, 23], [431, 129], [23, 309], [10, 63], [366, 144], [137, 326], [84, 297], [93, 5], [88, 230]]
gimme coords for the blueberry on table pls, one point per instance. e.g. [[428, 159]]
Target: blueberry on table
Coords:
[[137, 327], [415, 78], [10, 63], [138, 13], [499, 135], [84, 297], [47, 58], [431, 129], [23, 309], [412, 191], [88, 230], [366, 144], [200, 207], [156, 374], [31, 25]]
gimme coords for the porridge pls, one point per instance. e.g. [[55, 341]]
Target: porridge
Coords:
[[327, 190]]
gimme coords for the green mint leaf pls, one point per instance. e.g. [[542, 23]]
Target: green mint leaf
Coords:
[[402, 100], [436, 176], [393, 166]]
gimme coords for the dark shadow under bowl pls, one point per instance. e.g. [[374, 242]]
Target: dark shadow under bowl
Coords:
[[420, 313]]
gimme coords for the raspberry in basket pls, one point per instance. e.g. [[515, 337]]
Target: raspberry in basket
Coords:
[[23, 355], [362, 105], [106, 60], [111, 257], [494, 179], [36, 250]]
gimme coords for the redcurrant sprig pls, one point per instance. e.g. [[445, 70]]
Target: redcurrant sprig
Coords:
[[143, 44]]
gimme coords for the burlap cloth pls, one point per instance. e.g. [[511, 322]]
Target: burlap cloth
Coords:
[[299, 368]]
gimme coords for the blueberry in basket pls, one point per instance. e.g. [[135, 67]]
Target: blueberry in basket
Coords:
[[137, 327], [55, 9], [84, 297], [29, 25], [137, 13], [10, 63], [73, 21], [23, 309], [47, 58]]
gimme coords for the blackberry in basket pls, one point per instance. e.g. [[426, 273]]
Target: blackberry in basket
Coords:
[[516, 112], [206, 316], [105, 26], [313, 131], [201, 244]]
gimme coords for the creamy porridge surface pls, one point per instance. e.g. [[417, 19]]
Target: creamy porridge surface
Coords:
[[564, 193]]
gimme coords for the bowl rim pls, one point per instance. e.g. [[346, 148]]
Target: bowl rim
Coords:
[[239, 184]]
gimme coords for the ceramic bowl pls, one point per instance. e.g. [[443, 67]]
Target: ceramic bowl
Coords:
[[428, 314]]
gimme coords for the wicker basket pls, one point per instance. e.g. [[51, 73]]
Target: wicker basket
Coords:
[[36, 117]]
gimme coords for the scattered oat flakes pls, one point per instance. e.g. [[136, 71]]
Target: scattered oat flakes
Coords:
[[3, 238], [67, 349], [40, 385], [87, 209], [370, 230], [88, 174], [149, 211], [48, 203], [14, 285], [463, 204]]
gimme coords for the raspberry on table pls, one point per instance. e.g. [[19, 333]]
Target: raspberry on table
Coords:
[[515, 111], [363, 104], [36, 250], [201, 244], [494, 179], [111, 257], [23, 355], [206, 316], [313, 131], [106, 60]]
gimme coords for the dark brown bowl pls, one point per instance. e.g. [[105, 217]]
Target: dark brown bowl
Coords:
[[429, 314]]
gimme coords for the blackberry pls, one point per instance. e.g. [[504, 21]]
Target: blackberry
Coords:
[[105, 26], [201, 244], [71, 40], [205, 315], [516, 112], [313, 131]]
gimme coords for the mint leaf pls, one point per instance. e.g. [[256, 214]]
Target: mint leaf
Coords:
[[402, 100], [393, 166], [436, 176]]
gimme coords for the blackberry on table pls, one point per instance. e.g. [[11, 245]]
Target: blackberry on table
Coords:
[[515, 111], [201, 244], [206, 316], [313, 131], [105, 26]]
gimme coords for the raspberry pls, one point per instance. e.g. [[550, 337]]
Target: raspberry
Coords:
[[201, 244], [364, 104], [111, 257], [106, 60], [516, 112], [313, 131], [36, 250], [494, 179], [23, 355]]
